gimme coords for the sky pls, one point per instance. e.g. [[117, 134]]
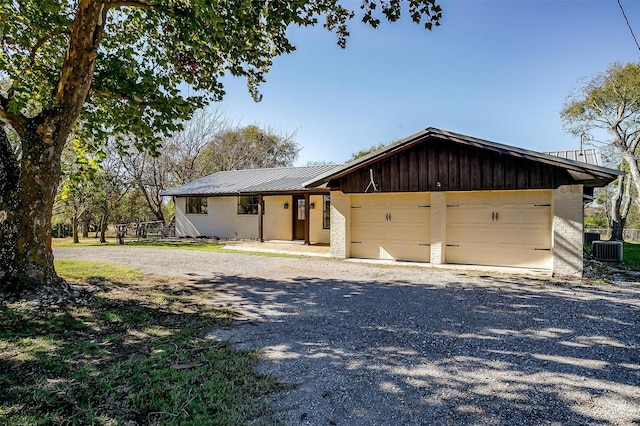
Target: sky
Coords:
[[499, 70]]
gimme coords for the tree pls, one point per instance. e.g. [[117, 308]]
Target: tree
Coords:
[[149, 175], [92, 188], [366, 151], [105, 67], [184, 148], [77, 188], [250, 147], [195, 152], [610, 102], [319, 163]]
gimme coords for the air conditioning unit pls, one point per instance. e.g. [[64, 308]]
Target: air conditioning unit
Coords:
[[607, 251]]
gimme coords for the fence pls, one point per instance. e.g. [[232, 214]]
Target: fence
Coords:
[[61, 230], [149, 230], [628, 234], [154, 230]]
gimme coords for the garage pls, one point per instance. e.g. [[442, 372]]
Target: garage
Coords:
[[446, 198], [391, 226], [506, 228]]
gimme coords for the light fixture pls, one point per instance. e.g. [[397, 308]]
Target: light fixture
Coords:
[[312, 205], [286, 206]]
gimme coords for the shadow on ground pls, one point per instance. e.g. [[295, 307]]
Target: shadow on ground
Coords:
[[478, 350]]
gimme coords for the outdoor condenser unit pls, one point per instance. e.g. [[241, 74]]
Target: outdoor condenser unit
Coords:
[[608, 251]]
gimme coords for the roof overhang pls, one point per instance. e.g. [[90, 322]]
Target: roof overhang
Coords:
[[311, 191]]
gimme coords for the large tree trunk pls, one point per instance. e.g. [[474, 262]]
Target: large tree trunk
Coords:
[[74, 226], [103, 228], [29, 190], [620, 206], [29, 187], [617, 230], [85, 228], [634, 170]]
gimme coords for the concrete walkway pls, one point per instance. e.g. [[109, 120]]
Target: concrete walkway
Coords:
[[276, 246], [298, 248]]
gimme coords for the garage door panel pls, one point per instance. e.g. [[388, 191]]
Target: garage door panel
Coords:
[[391, 226], [365, 250], [361, 215], [523, 215], [402, 251], [469, 233], [509, 255], [499, 228], [364, 231], [465, 216]]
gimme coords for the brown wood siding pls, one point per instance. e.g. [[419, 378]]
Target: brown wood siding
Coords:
[[456, 167]]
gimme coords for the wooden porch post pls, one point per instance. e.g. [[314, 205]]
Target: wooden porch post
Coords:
[[261, 218], [307, 210]]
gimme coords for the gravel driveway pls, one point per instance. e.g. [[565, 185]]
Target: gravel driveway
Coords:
[[371, 345]]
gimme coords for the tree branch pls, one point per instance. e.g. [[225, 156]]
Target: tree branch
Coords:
[[134, 4], [120, 97], [17, 121], [45, 39]]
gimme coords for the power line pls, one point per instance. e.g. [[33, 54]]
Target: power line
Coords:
[[628, 25]]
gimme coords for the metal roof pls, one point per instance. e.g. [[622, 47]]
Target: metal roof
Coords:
[[251, 181], [589, 156], [582, 172]]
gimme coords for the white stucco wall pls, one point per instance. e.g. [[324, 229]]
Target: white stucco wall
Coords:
[[316, 233], [277, 220], [222, 220]]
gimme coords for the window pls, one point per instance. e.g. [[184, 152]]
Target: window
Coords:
[[326, 211], [248, 204], [197, 205]]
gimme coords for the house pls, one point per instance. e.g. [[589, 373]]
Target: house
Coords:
[[435, 196], [443, 197], [258, 204]]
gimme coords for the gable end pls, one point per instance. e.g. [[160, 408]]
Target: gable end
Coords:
[[442, 165]]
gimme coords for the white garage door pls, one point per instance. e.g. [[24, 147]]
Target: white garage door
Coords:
[[508, 228], [391, 226]]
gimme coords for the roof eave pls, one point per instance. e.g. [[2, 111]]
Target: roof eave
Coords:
[[315, 191]]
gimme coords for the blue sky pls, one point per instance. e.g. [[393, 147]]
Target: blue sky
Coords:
[[495, 69]]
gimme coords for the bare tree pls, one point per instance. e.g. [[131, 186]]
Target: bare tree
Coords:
[[185, 148]]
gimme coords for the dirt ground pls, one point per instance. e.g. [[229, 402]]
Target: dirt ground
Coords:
[[384, 345]]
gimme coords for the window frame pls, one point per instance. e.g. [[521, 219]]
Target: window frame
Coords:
[[250, 208], [326, 211], [199, 207]]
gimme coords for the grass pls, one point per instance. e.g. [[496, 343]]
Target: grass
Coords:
[[129, 349], [91, 271], [94, 242], [630, 255], [163, 244]]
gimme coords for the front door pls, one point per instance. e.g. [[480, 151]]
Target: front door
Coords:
[[299, 218]]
